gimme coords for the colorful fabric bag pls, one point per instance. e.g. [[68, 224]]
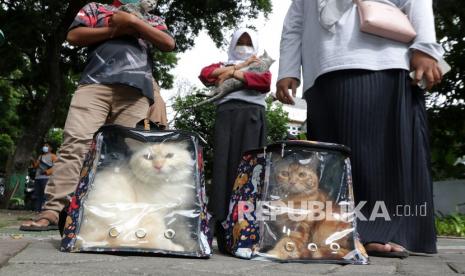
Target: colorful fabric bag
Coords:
[[140, 191], [293, 201]]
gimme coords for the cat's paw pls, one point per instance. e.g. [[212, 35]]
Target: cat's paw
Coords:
[[190, 246], [210, 93], [285, 249], [176, 247], [168, 245]]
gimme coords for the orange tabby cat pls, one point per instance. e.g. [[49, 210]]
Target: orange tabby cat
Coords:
[[311, 237]]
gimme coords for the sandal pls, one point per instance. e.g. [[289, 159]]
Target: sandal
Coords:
[[45, 221], [404, 253]]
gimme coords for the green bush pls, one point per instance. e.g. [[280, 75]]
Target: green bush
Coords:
[[16, 203], [55, 138], [451, 225]]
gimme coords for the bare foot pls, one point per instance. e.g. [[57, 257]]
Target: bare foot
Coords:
[[389, 250], [378, 247], [40, 223], [44, 221], [388, 247], [396, 247]]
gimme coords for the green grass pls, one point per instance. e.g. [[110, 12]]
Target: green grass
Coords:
[[451, 225]]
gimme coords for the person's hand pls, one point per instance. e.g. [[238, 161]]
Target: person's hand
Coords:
[[251, 60], [426, 67], [247, 62], [225, 75], [282, 90], [121, 24]]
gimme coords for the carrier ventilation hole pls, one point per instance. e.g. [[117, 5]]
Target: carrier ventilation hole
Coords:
[[312, 247], [141, 233], [114, 232], [289, 247], [335, 246], [169, 234]]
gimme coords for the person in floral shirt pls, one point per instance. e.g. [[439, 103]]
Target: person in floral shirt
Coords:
[[116, 87]]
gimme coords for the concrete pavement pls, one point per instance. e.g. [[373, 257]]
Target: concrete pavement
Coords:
[[29, 253]]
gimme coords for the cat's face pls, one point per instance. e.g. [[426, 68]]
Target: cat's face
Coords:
[[296, 178], [164, 161], [148, 5]]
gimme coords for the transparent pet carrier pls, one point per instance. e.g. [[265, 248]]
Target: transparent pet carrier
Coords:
[[140, 191], [293, 202]]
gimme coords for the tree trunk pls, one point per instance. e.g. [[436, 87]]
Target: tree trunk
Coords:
[[38, 128], [33, 134]]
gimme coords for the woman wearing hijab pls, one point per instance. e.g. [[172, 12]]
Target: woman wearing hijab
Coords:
[[240, 119], [359, 93]]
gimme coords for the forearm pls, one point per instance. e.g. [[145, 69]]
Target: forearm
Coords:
[[159, 39], [255, 81], [85, 36], [217, 72], [291, 42], [231, 68]]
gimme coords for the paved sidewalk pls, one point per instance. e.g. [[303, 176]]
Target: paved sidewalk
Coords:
[[26, 253]]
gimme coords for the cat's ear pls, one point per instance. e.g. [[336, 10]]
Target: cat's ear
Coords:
[[134, 145], [268, 57]]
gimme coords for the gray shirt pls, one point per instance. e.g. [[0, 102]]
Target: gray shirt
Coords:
[[249, 96], [45, 163], [123, 60], [309, 50]]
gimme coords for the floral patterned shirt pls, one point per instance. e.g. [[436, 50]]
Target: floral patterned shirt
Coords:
[[124, 60]]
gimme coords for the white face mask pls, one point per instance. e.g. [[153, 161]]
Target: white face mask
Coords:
[[244, 52], [45, 149]]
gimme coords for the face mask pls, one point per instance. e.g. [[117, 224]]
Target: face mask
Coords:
[[244, 52], [45, 149], [124, 2]]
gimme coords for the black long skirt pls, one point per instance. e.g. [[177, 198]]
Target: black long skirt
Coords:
[[239, 127], [382, 118]]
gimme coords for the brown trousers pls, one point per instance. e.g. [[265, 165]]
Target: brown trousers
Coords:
[[91, 107], [157, 111]]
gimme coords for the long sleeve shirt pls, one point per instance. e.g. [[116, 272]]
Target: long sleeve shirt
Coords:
[[256, 85], [308, 50]]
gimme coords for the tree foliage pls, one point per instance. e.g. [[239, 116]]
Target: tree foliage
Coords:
[[41, 70], [199, 120], [276, 120], [447, 103], [202, 121]]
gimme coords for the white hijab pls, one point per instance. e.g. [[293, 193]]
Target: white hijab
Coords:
[[232, 57]]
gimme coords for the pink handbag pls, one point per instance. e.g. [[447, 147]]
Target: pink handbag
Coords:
[[385, 20]]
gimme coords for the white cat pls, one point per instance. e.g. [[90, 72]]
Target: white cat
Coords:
[[128, 207]]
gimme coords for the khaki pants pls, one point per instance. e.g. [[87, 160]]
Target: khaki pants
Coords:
[[91, 107], [157, 111]]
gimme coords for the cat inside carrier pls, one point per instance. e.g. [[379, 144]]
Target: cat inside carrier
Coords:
[[140, 191], [293, 202]]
